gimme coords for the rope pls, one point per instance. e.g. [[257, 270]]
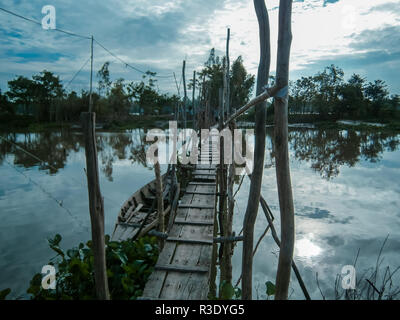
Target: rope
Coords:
[[84, 37], [126, 63], [38, 23], [76, 74]]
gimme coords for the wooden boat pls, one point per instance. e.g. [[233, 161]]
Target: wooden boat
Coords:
[[139, 212]]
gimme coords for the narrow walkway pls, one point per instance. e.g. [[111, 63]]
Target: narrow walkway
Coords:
[[182, 271]]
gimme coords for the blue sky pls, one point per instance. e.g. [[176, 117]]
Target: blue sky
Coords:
[[358, 35]]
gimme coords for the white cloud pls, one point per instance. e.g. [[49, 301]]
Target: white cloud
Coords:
[[158, 35]]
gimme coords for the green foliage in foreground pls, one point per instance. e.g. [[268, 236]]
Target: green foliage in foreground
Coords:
[[129, 264], [4, 293]]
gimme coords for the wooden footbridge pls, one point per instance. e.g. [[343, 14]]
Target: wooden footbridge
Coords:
[[183, 269]]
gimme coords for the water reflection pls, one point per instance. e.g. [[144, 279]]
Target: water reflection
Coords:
[[328, 150], [49, 150], [307, 248]]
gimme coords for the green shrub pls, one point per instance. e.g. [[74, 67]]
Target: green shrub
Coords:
[[129, 264]]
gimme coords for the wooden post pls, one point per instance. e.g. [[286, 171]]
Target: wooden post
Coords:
[[91, 78], [159, 193], [221, 179], [185, 94], [96, 206], [259, 152], [282, 154], [226, 267], [177, 104], [193, 103], [228, 90]]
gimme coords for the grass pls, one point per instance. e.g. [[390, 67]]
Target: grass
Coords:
[[375, 283]]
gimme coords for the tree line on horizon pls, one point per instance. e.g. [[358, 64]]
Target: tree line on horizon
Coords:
[[45, 97], [326, 94], [329, 95]]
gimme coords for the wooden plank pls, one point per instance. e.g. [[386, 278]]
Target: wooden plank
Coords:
[[184, 269], [194, 206], [190, 241], [201, 193], [195, 223], [202, 183]]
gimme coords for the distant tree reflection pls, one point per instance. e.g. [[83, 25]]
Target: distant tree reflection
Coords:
[[49, 151], [328, 150]]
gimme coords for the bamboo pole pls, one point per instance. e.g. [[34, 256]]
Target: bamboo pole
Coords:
[[96, 206], [227, 75], [259, 152], [221, 179], [159, 193], [91, 77], [267, 93], [185, 94], [282, 154], [193, 103], [231, 175]]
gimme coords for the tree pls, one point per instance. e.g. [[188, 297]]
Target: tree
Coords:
[[241, 84], [5, 105], [377, 94], [213, 74], [302, 92], [118, 99], [104, 83], [21, 92], [351, 97], [47, 88], [328, 84]]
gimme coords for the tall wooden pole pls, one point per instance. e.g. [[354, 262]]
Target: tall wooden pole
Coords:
[[282, 154], [177, 105], [185, 93], [159, 193], [221, 179], [259, 152], [228, 90], [91, 79], [226, 268], [96, 206], [193, 102]]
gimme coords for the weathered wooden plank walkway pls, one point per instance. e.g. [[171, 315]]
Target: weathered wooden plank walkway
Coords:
[[182, 271]]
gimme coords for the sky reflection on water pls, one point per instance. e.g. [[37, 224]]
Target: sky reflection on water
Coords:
[[346, 192]]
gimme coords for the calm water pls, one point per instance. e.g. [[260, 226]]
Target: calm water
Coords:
[[346, 190]]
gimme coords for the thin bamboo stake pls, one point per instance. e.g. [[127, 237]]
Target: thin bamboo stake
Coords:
[[193, 103], [282, 154], [91, 77], [228, 91], [268, 215], [96, 206], [184, 94], [260, 98], [159, 193], [259, 152]]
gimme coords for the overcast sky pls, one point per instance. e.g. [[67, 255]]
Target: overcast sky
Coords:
[[361, 36]]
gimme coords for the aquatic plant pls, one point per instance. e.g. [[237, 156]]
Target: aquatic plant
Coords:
[[129, 264]]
